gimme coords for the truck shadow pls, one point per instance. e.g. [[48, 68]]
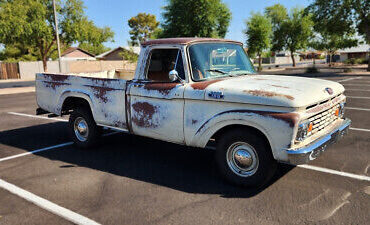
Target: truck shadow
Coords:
[[178, 167]]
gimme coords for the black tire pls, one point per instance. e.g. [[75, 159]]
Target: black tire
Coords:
[[94, 131], [255, 173]]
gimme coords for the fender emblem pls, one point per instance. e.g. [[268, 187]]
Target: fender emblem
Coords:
[[329, 90], [216, 94]]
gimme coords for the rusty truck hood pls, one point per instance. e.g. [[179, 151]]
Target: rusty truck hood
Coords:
[[285, 91]]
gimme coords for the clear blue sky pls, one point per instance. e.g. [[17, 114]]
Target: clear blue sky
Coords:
[[116, 13]]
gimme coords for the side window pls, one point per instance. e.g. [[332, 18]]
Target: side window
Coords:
[[162, 61]]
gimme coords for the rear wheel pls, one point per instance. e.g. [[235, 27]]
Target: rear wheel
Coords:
[[244, 158], [83, 129]]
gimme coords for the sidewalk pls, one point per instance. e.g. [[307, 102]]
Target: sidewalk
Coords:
[[14, 83], [16, 90]]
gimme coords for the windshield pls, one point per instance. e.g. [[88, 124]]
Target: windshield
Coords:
[[213, 60]]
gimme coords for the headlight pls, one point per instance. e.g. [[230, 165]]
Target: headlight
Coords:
[[304, 130]]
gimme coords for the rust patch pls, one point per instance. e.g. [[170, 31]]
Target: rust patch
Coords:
[[291, 118], [53, 85], [203, 84], [267, 94], [101, 92], [324, 106], [163, 88], [143, 116], [279, 86], [119, 124], [57, 77]]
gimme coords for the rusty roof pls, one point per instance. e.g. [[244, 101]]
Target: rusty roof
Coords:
[[184, 41]]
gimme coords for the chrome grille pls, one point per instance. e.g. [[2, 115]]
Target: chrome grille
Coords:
[[323, 119]]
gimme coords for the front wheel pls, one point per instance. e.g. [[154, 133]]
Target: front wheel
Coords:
[[245, 159], [83, 129]]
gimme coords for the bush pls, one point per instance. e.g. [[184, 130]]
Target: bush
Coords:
[[353, 61], [312, 70], [347, 70]]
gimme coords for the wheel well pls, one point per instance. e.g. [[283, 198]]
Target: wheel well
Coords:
[[71, 103], [225, 129]]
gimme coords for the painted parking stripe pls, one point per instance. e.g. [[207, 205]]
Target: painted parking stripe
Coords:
[[336, 172], [38, 117], [348, 79], [354, 108], [35, 151], [47, 205], [359, 129], [367, 85], [359, 97], [49, 148], [356, 90]]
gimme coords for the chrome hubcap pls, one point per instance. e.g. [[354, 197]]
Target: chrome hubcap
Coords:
[[242, 159], [81, 129]]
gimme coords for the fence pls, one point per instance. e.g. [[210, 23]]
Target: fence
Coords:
[[27, 70], [9, 71]]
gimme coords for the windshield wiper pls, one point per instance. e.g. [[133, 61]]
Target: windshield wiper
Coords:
[[217, 71]]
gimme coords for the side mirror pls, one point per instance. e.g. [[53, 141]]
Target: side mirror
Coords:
[[173, 75]]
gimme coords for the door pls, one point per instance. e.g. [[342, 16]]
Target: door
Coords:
[[156, 103]]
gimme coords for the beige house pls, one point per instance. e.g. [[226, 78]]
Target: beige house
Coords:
[[115, 54], [74, 53], [360, 51]]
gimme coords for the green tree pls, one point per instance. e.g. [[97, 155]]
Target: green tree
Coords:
[[342, 17], [291, 32], [142, 26], [94, 49], [129, 55], [31, 23], [258, 32], [18, 52], [195, 18]]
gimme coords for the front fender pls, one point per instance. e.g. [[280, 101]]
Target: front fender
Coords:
[[279, 132]]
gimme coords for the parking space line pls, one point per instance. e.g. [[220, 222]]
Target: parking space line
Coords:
[[360, 97], [38, 117], [49, 148], [353, 78], [336, 172], [359, 129], [367, 85], [361, 109], [35, 151], [356, 90], [47, 205]]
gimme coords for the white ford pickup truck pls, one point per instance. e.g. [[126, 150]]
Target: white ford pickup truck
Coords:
[[193, 91]]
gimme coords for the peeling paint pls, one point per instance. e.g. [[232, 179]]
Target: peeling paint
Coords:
[[101, 92], [279, 86], [267, 94]]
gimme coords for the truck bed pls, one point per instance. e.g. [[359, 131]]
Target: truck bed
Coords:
[[105, 95]]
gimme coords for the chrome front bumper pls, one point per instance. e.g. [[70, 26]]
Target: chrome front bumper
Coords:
[[314, 149]]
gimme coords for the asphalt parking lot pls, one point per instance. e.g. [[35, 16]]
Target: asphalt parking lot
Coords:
[[134, 180]]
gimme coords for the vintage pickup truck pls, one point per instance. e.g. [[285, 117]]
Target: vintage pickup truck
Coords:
[[194, 91]]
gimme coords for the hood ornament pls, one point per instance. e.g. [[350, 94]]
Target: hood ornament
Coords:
[[329, 90]]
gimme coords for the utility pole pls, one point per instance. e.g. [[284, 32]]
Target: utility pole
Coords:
[[57, 34]]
